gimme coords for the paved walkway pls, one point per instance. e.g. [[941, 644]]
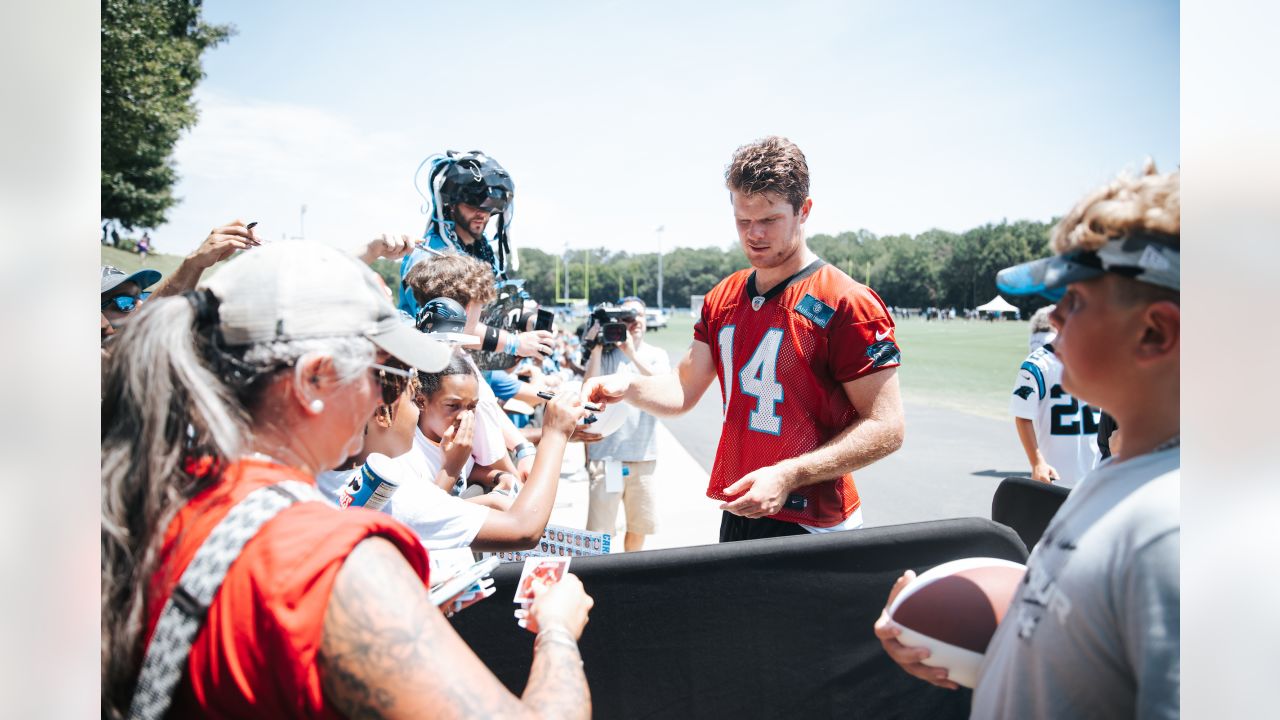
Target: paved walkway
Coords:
[[949, 466], [686, 516]]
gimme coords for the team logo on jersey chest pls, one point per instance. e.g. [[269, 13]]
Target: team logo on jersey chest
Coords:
[[816, 310]]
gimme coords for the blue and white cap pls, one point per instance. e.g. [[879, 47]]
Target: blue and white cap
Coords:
[[113, 277], [1151, 259], [294, 290]]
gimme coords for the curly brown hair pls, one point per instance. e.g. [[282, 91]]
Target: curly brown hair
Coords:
[[1149, 204], [457, 277], [773, 165]]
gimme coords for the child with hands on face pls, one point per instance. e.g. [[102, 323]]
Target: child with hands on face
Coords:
[[441, 520], [447, 425]]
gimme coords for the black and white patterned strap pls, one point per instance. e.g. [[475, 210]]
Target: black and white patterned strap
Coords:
[[184, 611]]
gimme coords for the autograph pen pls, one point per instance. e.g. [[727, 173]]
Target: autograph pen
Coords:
[[551, 396]]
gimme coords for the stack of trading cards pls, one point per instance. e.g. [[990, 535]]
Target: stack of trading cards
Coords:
[[457, 581], [537, 571], [558, 541]]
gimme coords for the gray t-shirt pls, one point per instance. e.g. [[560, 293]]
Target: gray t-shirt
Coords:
[[1093, 631], [635, 441]]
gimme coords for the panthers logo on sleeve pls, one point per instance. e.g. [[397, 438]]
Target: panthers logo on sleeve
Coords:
[[1024, 392], [883, 353]]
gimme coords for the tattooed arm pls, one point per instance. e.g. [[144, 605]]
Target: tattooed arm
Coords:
[[387, 652]]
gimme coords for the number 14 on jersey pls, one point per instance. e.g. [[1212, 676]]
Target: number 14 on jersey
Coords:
[[758, 378]]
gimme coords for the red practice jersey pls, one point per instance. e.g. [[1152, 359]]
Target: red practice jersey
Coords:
[[781, 367]]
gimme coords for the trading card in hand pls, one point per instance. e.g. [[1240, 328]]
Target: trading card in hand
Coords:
[[468, 585], [539, 570]]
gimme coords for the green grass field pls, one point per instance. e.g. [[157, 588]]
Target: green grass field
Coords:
[[967, 366]]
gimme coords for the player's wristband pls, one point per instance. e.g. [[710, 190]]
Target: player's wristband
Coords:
[[513, 343], [524, 450], [490, 339]]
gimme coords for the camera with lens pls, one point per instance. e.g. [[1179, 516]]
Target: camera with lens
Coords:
[[612, 321]]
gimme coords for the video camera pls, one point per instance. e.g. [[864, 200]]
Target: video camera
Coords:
[[613, 322]]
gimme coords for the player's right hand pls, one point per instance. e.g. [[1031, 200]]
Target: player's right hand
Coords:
[[564, 604], [1045, 473], [909, 658], [605, 389]]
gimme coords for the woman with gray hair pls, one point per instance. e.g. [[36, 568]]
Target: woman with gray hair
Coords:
[[240, 393]]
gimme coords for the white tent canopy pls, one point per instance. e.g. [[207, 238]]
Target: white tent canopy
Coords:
[[997, 305]]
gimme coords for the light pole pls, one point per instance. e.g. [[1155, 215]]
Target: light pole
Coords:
[[302, 217], [659, 231]]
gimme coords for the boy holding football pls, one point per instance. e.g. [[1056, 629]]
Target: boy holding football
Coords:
[[1093, 630]]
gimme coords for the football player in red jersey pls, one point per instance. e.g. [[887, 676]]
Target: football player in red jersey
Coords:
[[806, 360]]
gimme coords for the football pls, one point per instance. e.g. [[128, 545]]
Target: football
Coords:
[[953, 609], [610, 419]]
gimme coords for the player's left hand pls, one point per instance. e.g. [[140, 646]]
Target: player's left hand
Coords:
[[765, 492]]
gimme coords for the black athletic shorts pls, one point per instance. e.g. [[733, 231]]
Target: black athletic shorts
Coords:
[[735, 527]]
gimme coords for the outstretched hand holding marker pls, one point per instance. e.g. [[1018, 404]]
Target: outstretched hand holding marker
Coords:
[[552, 396], [606, 389]]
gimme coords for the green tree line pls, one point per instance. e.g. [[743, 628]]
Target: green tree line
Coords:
[[151, 53], [935, 268]]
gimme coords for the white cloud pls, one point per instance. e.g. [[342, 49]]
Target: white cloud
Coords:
[[262, 161]]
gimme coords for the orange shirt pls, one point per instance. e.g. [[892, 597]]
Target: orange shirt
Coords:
[[255, 655]]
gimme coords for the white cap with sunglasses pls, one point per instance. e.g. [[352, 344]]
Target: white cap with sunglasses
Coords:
[[113, 277], [294, 290]]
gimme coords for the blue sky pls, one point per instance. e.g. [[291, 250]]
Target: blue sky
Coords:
[[614, 117]]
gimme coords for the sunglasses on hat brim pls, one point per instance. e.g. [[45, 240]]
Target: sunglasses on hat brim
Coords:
[[1145, 259], [125, 303]]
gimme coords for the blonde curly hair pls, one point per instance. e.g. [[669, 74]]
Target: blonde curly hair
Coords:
[[1149, 204]]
